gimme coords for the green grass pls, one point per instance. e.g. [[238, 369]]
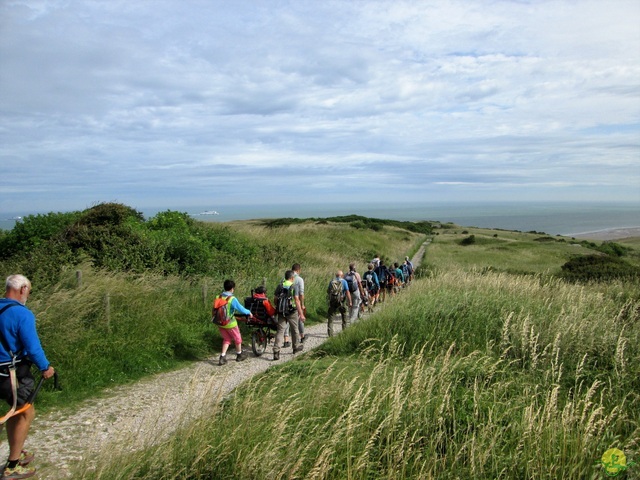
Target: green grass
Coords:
[[513, 252], [488, 366], [466, 374]]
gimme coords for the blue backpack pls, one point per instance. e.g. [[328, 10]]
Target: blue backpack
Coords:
[[351, 281]]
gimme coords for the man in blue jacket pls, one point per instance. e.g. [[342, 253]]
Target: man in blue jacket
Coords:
[[19, 343]]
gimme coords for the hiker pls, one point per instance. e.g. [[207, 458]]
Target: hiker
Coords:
[[392, 281], [411, 269], [19, 342], [338, 293], [371, 284], [260, 295], [383, 277], [298, 297], [355, 289], [406, 272], [398, 274], [230, 332], [287, 315], [376, 261]]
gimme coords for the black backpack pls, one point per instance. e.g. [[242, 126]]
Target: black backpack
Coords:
[[381, 272], [284, 298]]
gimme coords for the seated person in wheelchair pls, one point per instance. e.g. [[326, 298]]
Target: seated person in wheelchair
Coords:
[[261, 306]]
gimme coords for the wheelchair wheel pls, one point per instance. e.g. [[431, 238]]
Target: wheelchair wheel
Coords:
[[259, 341]]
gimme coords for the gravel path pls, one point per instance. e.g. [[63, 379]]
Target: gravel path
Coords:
[[136, 415]]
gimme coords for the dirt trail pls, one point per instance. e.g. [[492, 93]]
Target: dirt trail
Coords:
[[134, 416]]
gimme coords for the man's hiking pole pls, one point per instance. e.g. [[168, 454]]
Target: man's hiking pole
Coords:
[[32, 398]]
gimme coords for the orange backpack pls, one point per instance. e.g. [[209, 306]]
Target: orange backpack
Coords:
[[220, 315]]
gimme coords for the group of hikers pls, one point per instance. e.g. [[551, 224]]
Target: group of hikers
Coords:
[[287, 312], [347, 294]]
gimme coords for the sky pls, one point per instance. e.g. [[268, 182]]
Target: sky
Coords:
[[174, 103]]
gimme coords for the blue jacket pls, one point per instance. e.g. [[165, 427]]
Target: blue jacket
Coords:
[[18, 328], [236, 306]]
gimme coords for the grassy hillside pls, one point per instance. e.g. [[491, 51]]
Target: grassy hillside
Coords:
[[102, 324], [475, 371]]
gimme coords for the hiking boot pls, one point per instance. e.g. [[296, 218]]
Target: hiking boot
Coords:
[[18, 472], [276, 355], [287, 344], [242, 356], [25, 458], [299, 348], [222, 360], [303, 339]]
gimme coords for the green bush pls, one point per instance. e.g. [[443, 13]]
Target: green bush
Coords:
[[470, 240], [598, 268], [613, 249], [116, 237], [33, 231]]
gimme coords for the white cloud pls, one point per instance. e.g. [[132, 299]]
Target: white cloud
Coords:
[[119, 99]]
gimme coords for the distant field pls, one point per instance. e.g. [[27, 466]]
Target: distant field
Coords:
[[515, 252]]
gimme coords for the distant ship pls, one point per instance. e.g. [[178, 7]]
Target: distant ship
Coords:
[[19, 218]]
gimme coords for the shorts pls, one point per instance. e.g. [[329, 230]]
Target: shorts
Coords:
[[230, 335], [26, 382]]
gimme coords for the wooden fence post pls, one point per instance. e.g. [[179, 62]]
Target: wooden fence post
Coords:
[[107, 310], [204, 292], [78, 278]]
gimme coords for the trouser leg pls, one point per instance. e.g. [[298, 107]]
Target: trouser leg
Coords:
[[343, 315], [355, 307], [282, 321], [330, 315], [293, 321], [287, 330]]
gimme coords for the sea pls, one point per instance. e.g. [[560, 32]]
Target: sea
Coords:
[[568, 219]]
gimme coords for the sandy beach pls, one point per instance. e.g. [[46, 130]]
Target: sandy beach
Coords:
[[609, 234]]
